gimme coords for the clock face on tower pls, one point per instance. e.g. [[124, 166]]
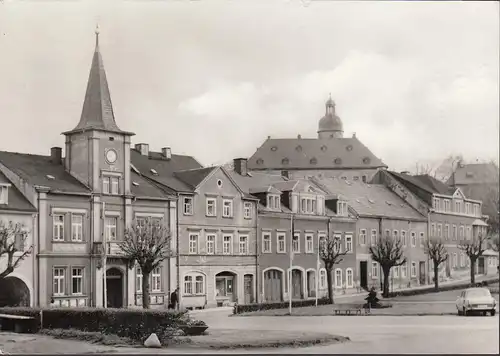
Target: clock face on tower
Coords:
[[111, 156]]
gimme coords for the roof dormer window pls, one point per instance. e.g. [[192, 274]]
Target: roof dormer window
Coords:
[[437, 204], [342, 208], [273, 202], [4, 193]]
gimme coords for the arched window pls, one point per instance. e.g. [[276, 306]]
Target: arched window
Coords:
[[338, 278], [194, 284], [322, 278], [349, 278], [188, 285]]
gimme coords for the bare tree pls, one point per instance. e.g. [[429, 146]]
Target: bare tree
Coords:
[[495, 242], [331, 255], [388, 252], [438, 254], [12, 241], [474, 248], [439, 169], [148, 243]]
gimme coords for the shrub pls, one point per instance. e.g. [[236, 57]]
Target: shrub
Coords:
[[136, 324], [444, 288], [245, 308]]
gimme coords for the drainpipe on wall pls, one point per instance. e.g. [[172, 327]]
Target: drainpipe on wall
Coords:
[[428, 238], [380, 267], [34, 269], [92, 272], [257, 255], [37, 250], [177, 257]]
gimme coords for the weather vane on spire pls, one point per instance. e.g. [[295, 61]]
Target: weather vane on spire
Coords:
[[330, 96], [97, 34]]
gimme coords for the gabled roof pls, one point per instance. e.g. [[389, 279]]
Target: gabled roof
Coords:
[[39, 170], [477, 173], [301, 153], [165, 169], [287, 186], [370, 199], [255, 180], [16, 200], [144, 188], [97, 111], [194, 177], [268, 189], [436, 185]]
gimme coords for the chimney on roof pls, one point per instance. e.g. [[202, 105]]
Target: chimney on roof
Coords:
[[240, 166], [299, 136], [268, 137], [405, 173], [167, 153], [285, 174], [56, 155], [143, 148], [354, 135]]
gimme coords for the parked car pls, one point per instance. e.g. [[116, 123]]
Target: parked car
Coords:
[[476, 300]]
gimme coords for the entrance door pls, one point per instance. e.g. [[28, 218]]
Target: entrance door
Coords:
[[311, 284], [273, 284], [480, 265], [297, 284], [363, 274], [248, 283], [114, 288], [422, 272], [448, 267]]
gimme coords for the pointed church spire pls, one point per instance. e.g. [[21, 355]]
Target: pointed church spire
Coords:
[[97, 112]]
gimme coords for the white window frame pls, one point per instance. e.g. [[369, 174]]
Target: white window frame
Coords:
[[454, 235], [309, 243], [58, 227], [156, 282], [266, 240], [4, 194], [109, 228], [342, 208], [373, 237], [187, 205], [338, 281], [106, 185], [395, 235], [362, 237], [455, 260], [281, 237], [396, 272], [243, 244], [375, 269], [433, 230], [227, 208], [413, 269], [210, 243], [446, 231], [468, 233], [413, 238], [422, 239], [188, 285], [61, 281], [79, 278], [404, 270], [446, 205], [247, 210], [349, 284], [273, 202], [322, 278], [194, 243], [462, 260], [227, 247], [348, 243], [138, 279], [211, 202], [199, 285], [403, 238], [296, 238], [76, 228], [437, 205], [114, 183]]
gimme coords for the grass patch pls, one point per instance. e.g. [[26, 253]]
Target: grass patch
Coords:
[[277, 344]]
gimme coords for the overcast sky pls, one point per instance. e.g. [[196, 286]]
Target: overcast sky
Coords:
[[415, 80]]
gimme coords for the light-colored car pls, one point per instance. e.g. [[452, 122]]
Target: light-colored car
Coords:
[[476, 300]]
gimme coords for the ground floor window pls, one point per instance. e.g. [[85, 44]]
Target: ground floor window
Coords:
[[322, 278], [224, 284], [194, 284]]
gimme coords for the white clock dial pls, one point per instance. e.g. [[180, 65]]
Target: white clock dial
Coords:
[[111, 156]]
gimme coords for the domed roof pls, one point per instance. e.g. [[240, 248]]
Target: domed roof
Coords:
[[330, 122]]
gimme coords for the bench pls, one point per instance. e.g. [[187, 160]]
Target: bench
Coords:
[[17, 323], [349, 309]]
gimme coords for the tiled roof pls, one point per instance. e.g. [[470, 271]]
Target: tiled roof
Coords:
[[286, 186], [478, 173], [370, 199], [302, 153], [36, 170], [165, 169], [436, 185], [144, 188], [193, 177], [268, 189], [97, 112], [255, 180], [486, 193], [16, 200]]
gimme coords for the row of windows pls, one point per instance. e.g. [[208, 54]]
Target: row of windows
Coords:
[[445, 205], [211, 207], [296, 245], [396, 271], [155, 280], [110, 185], [211, 244], [455, 233], [398, 235], [59, 281]]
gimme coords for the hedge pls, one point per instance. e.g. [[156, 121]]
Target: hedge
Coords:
[[245, 308], [444, 288], [136, 324]]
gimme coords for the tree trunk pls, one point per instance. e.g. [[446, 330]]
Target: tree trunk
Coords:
[[330, 285], [436, 277], [145, 289], [385, 291], [472, 271]]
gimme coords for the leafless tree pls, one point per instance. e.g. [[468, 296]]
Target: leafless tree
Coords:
[[438, 254], [13, 240], [495, 242], [388, 252], [474, 248], [148, 244], [440, 169], [331, 255]]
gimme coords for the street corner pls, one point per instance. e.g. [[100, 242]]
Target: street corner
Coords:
[[221, 339]]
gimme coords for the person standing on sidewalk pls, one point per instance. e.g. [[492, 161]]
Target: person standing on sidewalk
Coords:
[[173, 299]]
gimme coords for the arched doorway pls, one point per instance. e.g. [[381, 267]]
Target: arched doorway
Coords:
[[297, 284], [273, 285], [248, 288], [14, 292], [225, 288], [114, 288]]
